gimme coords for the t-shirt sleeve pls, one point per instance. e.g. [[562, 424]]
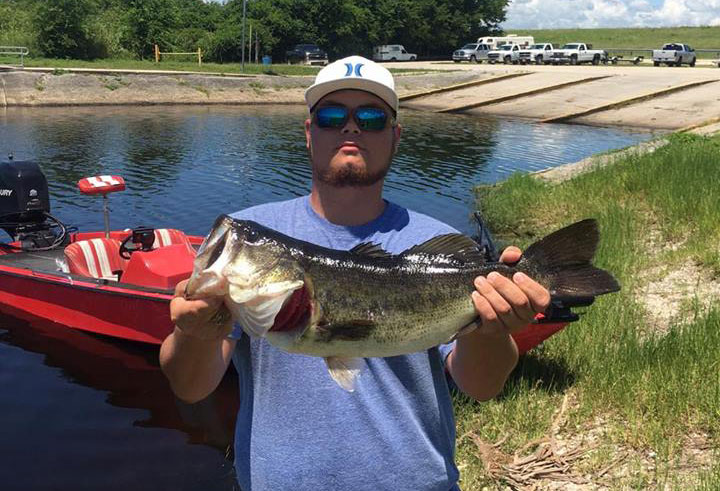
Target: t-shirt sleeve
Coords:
[[445, 350], [237, 331]]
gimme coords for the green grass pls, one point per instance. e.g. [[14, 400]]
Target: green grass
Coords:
[[650, 389], [225, 68], [650, 38], [120, 64]]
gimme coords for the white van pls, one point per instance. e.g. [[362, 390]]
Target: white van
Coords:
[[392, 52], [495, 41]]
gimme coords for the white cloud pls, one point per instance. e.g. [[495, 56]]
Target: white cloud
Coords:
[[547, 14]]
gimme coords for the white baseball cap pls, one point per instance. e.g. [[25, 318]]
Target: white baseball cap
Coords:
[[353, 72]]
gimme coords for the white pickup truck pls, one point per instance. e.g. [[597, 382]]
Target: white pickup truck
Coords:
[[507, 53], [674, 54], [576, 53], [537, 53], [472, 52]]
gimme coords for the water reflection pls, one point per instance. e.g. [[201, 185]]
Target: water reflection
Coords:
[[185, 165], [155, 147], [52, 431]]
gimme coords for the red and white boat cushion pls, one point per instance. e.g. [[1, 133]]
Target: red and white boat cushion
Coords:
[[169, 236], [98, 258], [101, 184]]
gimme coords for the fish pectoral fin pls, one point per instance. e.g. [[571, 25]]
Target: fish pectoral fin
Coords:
[[463, 331], [345, 371]]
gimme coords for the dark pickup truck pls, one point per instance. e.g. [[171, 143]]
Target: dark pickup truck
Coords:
[[307, 54]]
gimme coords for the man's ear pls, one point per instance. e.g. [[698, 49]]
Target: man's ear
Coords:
[[397, 133], [308, 143]]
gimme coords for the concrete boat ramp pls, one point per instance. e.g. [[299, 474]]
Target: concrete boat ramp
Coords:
[[667, 98]]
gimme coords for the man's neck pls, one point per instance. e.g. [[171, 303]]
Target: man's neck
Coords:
[[348, 205]]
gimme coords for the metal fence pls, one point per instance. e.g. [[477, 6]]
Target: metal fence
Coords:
[[13, 51]]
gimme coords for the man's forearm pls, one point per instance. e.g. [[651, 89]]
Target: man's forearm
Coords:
[[194, 366], [481, 363]]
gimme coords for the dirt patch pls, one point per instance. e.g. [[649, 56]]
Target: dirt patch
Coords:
[[670, 294], [584, 457]]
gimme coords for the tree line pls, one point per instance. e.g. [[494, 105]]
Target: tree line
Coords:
[[91, 29]]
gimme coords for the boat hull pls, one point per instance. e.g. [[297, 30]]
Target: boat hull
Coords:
[[102, 309]]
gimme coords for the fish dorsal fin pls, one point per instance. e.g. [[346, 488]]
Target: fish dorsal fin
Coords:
[[457, 246], [345, 371], [368, 249]]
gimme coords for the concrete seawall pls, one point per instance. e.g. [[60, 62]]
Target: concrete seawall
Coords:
[[665, 98], [62, 88]]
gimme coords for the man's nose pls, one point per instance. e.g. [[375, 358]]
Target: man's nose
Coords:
[[350, 126]]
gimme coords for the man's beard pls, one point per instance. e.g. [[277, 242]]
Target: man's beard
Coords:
[[351, 176]]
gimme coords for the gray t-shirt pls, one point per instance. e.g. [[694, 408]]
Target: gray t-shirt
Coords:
[[298, 430]]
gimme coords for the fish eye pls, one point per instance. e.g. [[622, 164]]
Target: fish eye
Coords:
[[251, 235]]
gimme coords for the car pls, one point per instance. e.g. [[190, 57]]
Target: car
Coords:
[[472, 52], [537, 53], [507, 53], [392, 52], [674, 54], [307, 54], [576, 53]]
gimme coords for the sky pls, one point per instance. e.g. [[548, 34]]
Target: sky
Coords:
[[553, 14]]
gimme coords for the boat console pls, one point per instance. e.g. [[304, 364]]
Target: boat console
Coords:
[[160, 268]]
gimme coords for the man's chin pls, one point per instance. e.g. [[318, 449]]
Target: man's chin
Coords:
[[351, 176]]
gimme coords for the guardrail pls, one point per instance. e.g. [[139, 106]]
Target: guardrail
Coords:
[[159, 54], [20, 51]]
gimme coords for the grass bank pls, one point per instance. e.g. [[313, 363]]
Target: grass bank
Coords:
[[652, 37], [640, 399], [189, 66]]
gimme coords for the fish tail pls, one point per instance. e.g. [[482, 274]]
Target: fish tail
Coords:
[[564, 260]]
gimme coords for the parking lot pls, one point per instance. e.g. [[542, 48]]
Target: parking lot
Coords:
[[667, 98]]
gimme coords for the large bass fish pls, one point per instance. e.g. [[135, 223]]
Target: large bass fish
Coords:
[[346, 305]]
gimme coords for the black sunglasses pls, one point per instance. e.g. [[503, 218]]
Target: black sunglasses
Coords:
[[367, 118]]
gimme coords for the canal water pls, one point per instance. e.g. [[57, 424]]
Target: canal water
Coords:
[[84, 412]]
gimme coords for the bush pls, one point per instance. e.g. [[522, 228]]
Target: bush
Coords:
[[60, 25]]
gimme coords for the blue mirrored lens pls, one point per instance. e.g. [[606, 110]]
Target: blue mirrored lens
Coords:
[[367, 118], [370, 118], [331, 117]]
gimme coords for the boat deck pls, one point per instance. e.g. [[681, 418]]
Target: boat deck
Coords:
[[40, 261]]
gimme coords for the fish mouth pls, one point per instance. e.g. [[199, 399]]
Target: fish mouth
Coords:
[[205, 279], [295, 312]]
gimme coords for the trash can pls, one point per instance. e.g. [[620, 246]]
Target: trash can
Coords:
[[266, 60]]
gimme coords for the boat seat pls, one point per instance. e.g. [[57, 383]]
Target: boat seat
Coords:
[[97, 258], [169, 236]]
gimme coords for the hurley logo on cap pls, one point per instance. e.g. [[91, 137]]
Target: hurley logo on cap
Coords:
[[357, 69]]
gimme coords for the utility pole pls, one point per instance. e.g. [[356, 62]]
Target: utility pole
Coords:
[[242, 56]]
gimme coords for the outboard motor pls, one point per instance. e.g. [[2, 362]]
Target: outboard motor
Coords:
[[25, 207]]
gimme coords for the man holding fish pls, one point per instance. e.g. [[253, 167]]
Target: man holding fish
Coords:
[[346, 315]]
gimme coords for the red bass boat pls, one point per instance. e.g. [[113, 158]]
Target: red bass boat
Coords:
[[115, 283]]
